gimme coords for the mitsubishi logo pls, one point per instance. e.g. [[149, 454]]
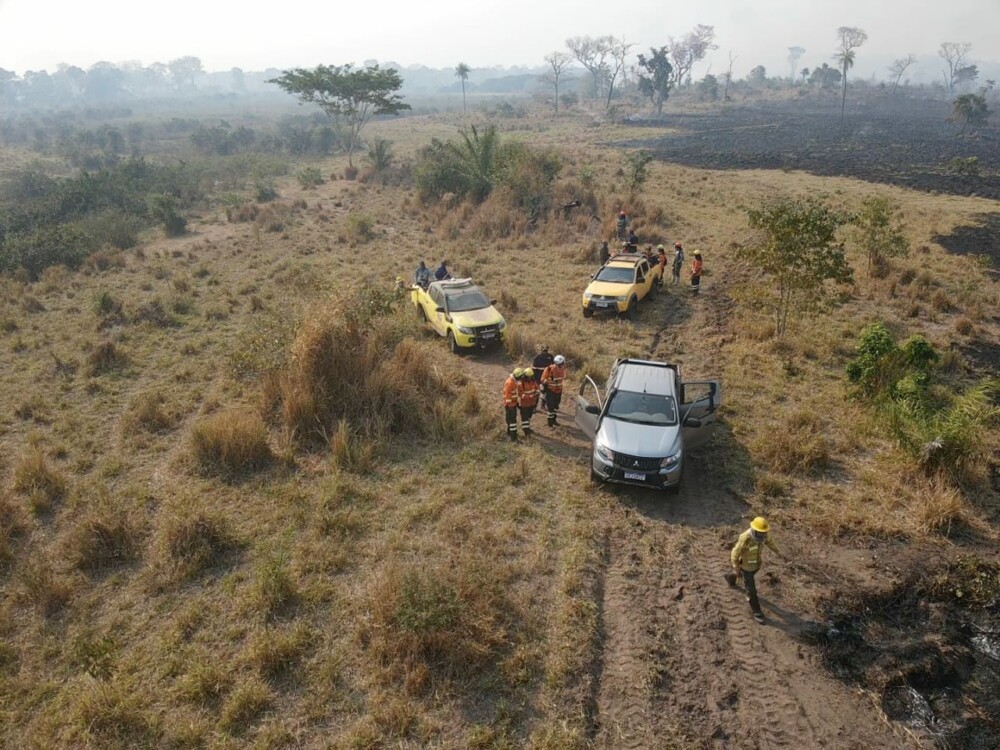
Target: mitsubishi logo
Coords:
[[635, 464]]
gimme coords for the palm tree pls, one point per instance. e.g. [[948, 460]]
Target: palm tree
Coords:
[[462, 71], [850, 37]]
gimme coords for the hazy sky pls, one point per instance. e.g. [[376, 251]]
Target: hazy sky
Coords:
[[254, 35]]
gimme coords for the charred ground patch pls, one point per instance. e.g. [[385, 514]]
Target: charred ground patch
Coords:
[[928, 648], [907, 143]]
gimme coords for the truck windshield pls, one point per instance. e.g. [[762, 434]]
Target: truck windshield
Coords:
[[642, 408], [473, 299], [615, 275]]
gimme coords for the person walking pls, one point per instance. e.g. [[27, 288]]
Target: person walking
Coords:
[[605, 252], [510, 402], [552, 382], [678, 262], [621, 225], [696, 268], [527, 398], [746, 560], [661, 258]]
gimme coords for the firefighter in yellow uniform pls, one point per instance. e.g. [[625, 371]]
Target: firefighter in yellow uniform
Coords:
[[511, 400], [746, 559]]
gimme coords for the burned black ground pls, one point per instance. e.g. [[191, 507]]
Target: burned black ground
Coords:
[[903, 142], [928, 648]]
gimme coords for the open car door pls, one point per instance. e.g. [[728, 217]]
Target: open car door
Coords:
[[699, 402], [589, 405]]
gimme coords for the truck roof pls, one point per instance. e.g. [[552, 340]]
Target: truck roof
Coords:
[[625, 259], [643, 376]]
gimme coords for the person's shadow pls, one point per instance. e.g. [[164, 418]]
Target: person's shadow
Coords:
[[783, 619]]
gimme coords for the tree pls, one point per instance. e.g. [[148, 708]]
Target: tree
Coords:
[[350, 98], [970, 109], [850, 39], [690, 49], [758, 76], [964, 77], [804, 73], [184, 69], [879, 233], [728, 76], [794, 53], [591, 53], [954, 54], [898, 68], [708, 88], [462, 72], [825, 77], [618, 49], [657, 81], [558, 62], [798, 252], [635, 169]]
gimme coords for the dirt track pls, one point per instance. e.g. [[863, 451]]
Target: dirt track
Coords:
[[682, 663]]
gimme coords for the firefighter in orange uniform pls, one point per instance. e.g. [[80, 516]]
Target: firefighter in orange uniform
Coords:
[[527, 398], [510, 401], [552, 382]]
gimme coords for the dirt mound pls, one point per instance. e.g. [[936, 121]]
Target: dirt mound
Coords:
[[928, 648], [905, 143]]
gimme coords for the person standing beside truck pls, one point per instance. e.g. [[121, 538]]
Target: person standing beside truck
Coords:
[[510, 402], [542, 360], [527, 398], [552, 382], [746, 560], [678, 262], [621, 225], [605, 252]]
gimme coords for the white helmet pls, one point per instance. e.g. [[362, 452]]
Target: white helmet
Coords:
[[559, 359]]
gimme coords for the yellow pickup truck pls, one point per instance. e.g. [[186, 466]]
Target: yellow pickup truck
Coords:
[[622, 282], [458, 310]]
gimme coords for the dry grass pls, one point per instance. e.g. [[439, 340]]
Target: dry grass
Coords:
[[36, 478], [231, 443], [338, 603]]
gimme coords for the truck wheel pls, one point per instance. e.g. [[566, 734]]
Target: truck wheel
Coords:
[[631, 309], [588, 313], [594, 478], [422, 313], [453, 345]]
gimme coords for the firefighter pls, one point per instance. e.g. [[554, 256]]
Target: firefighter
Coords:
[[632, 242], [510, 402], [696, 268], [605, 253], [552, 382], [746, 560], [621, 224], [661, 259], [527, 396]]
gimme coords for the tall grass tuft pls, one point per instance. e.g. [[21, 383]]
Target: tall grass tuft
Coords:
[[112, 715], [354, 377], [230, 443], [192, 544], [431, 622], [34, 477]]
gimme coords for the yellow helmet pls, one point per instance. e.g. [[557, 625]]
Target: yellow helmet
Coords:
[[760, 525], [518, 372]]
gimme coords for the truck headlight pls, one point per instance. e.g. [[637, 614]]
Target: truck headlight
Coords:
[[587, 296], [623, 298], [604, 452], [671, 460], [502, 324], [463, 329]]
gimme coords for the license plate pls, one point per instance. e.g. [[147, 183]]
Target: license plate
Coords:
[[487, 335], [634, 475], [602, 304]]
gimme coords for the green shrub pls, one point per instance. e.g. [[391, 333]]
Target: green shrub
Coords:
[[360, 228], [310, 177]]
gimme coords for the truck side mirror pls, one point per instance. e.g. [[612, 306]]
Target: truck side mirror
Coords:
[[440, 309], [591, 409], [692, 422]]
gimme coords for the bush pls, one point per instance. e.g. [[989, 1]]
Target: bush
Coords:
[[231, 442], [46, 246], [105, 358], [113, 227], [146, 414], [104, 537], [163, 208], [360, 228], [310, 177]]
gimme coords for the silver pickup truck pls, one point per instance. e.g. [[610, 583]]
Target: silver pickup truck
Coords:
[[646, 422]]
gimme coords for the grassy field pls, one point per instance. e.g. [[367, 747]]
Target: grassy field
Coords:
[[229, 518]]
